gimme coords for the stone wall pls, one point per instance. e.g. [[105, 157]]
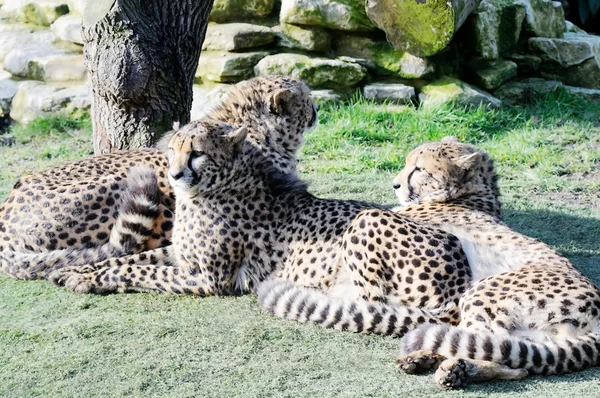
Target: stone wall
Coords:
[[506, 50]]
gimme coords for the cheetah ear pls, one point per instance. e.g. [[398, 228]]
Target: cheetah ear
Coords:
[[469, 164], [280, 100], [237, 138], [449, 139], [163, 143]]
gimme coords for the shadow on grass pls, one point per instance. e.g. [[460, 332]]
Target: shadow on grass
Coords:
[[577, 237]]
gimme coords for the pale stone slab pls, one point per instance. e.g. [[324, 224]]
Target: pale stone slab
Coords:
[[68, 28], [316, 72], [35, 99], [390, 92], [225, 67], [236, 37]]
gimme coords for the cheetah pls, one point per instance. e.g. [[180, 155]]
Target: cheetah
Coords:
[[69, 213], [241, 223], [528, 310]]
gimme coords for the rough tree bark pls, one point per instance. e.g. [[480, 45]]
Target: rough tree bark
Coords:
[[421, 27], [141, 56]]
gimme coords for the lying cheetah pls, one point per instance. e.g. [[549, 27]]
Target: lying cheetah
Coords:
[[529, 311], [77, 205], [239, 221]]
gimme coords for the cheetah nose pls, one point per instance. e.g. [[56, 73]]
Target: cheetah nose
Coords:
[[396, 185], [176, 176]]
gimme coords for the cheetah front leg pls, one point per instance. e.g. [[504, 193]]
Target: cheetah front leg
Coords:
[[457, 373], [135, 278]]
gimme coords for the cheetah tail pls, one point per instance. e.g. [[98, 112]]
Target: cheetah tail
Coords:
[[551, 356], [138, 212], [289, 301]]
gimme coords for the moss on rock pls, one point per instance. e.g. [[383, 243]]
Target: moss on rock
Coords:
[[229, 10], [449, 90], [420, 27], [383, 58], [348, 15]]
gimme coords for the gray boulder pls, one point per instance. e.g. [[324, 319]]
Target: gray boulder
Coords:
[[316, 72], [543, 18], [206, 97], [495, 74], [585, 94], [573, 60], [20, 35], [226, 67], [349, 15], [382, 58], [308, 38], [390, 92], [325, 96], [493, 29], [240, 10], [525, 90], [37, 12], [527, 65], [8, 89], [67, 28], [35, 99], [46, 64], [236, 37]]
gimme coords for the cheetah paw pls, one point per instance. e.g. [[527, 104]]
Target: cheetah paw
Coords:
[[418, 362], [72, 279], [452, 374]]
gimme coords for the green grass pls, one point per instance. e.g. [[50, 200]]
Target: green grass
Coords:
[[56, 343], [44, 143]]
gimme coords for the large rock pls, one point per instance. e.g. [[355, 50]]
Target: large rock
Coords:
[[585, 94], [527, 65], [525, 90], [240, 10], [574, 60], [76, 7], [382, 58], [68, 28], [495, 74], [309, 38], [422, 27], [448, 90], [570, 27], [236, 37], [206, 97], [543, 18], [37, 12], [35, 99], [397, 93], [493, 29], [225, 67], [8, 89], [20, 35], [322, 97], [37, 63], [349, 15], [316, 72]]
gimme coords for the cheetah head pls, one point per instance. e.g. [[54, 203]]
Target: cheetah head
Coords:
[[200, 155], [279, 109], [443, 171]]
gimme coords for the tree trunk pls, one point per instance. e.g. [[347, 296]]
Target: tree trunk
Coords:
[[141, 56], [421, 27]]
